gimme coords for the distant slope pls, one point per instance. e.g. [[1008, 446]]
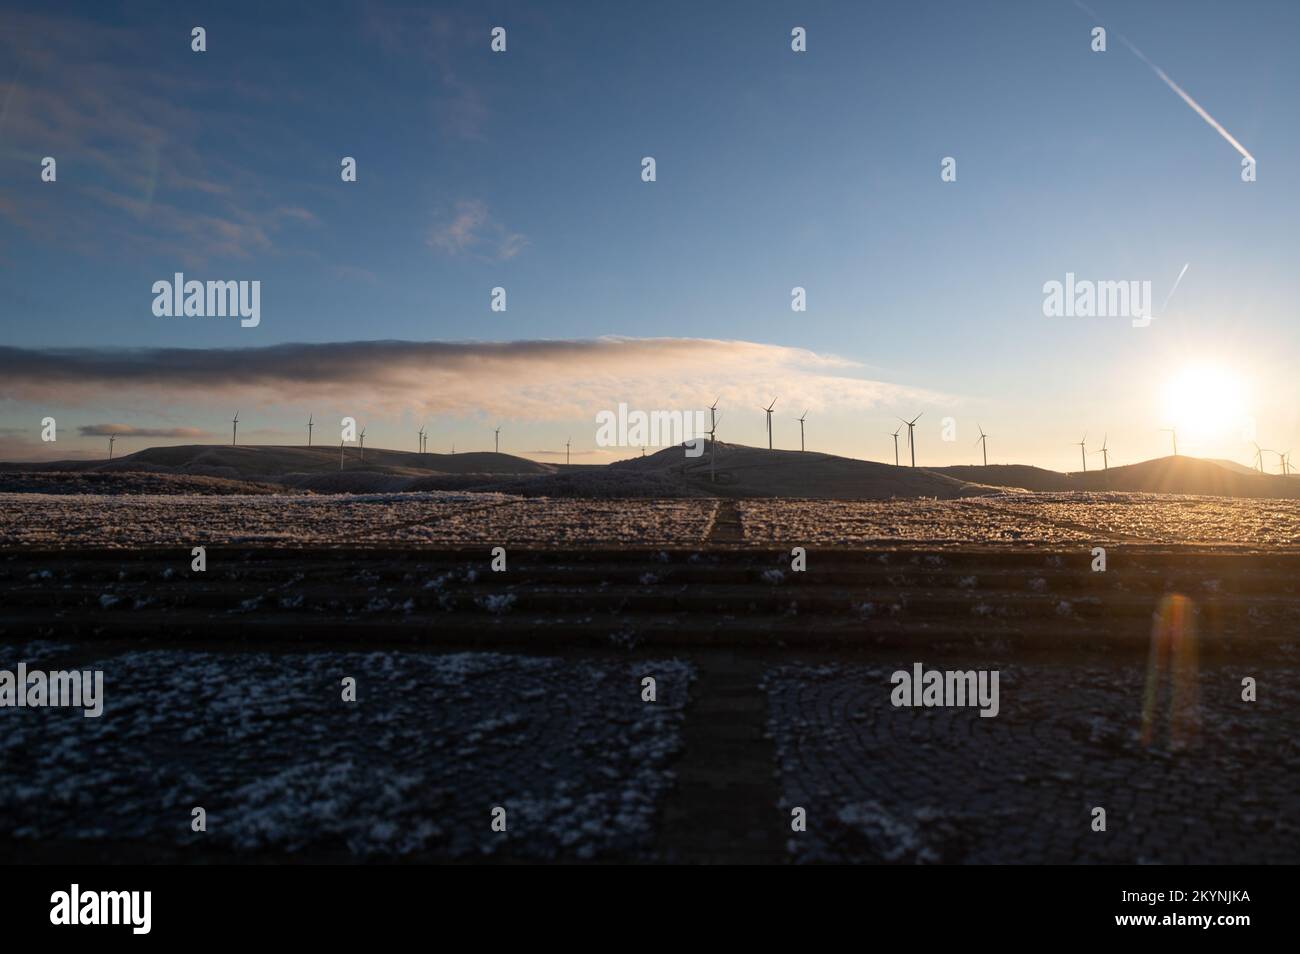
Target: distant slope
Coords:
[[1233, 466], [113, 483], [262, 461], [1020, 476], [757, 472], [741, 472], [1165, 475]]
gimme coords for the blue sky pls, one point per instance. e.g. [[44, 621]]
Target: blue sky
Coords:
[[775, 169]]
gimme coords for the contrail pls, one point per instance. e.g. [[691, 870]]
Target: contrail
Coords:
[[1174, 289], [1200, 110]]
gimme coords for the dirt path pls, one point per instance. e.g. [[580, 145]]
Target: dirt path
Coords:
[[724, 805], [726, 527]]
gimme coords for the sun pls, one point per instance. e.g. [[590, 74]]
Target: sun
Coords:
[[1206, 402]]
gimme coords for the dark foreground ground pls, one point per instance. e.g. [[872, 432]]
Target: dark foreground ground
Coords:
[[523, 690]]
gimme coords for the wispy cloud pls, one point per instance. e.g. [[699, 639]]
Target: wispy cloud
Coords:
[[437, 38], [537, 380], [128, 430], [81, 93], [471, 230]]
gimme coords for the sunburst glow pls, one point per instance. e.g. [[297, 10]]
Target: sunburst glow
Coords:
[[1206, 402]]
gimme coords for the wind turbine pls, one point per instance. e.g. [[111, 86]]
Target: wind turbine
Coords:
[[234, 430], [310, 425], [713, 414], [420, 435], [566, 451], [768, 411], [1262, 452], [984, 439], [1174, 433], [363, 445], [713, 447], [911, 440], [340, 454], [1259, 457], [496, 438], [1282, 459], [1105, 456], [111, 439], [895, 435], [1083, 453], [801, 420]]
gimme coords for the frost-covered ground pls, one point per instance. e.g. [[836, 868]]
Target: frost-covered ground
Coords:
[[434, 518], [266, 745], [1047, 518], [849, 522], [1164, 518], [306, 520], [942, 785]]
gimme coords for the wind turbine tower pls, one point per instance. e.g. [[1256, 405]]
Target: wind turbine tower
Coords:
[[1105, 455], [496, 439], [984, 439], [768, 410], [911, 439], [111, 439], [310, 424], [895, 436], [1083, 453], [801, 420], [713, 448], [234, 429], [1174, 434]]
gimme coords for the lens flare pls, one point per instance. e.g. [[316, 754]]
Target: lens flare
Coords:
[[1173, 660]]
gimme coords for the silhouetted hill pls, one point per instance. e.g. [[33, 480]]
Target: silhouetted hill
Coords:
[[740, 472], [261, 461], [758, 472], [1165, 475], [1020, 476]]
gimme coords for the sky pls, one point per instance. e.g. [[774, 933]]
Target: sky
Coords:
[[774, 169]]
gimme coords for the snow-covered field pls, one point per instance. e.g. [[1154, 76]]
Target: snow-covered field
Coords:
[[311, 520], [1047, 518], [267, 746], [849, 522], [433, 518], [913, 785]]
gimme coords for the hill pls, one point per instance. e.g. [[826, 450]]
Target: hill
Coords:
[[738, 471], [1164, 475], [742, 471]]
